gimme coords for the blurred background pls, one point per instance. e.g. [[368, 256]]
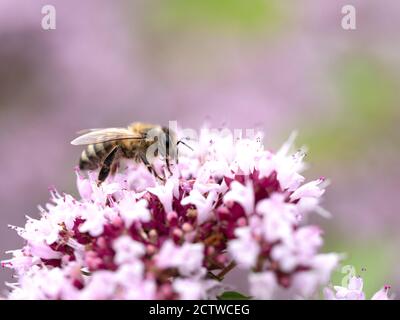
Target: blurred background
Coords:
[[271, 64]]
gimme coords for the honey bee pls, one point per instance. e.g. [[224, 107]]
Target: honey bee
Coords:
[[106, 146]]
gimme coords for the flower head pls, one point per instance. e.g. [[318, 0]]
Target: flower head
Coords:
[[135, 237], [354, 291]]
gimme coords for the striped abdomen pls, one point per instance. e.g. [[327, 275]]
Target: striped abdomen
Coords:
[[94, 154]]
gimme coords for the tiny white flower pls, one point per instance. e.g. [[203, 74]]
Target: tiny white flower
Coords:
[[262, 285], [188, 258], [42, 250], [309, 190], [94, 220], [245, 248], [127, 250], [189, 289], [204, 205], [130, 274], [100, 286], [44, 229], [242, 194], [132, 210], [382, 294], [165, 194], [278, 217]]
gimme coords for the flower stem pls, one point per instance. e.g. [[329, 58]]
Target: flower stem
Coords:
[[224, 271]]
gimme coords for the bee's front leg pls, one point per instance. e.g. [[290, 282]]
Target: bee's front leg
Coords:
[[114, 167], [150, 167], [168, 166], [107, 166]]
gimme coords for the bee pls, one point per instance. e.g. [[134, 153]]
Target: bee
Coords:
[[105, 147]]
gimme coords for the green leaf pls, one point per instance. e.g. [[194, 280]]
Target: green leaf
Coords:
[[233, 295]]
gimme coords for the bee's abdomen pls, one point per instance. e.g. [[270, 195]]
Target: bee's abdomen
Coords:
[[93, 155]]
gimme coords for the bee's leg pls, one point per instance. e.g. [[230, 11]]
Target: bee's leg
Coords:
[[150, 167], [114, 166], [107, 166], [168, 165]]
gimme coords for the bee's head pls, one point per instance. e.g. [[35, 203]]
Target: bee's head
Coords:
[[165, 142]]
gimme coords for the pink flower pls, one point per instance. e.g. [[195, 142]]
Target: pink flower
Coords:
[[84, 186], [308, 190], [242, 194], [227, 203], [299, 249], [20, 262], [165, 194], [94, 220], [278, 217], [244, 249], [46, 230], [101, 285], [138, 179], [262, 285], [204, 205], [43, 251], [288, 168], [382, 294], [130, 275], [187, 258], [40, 284], [189, 289], [204, 183], [132, 210], [127, 250], [247, 151], [145, 290], [354, 291], [101, 194], [288, 172]]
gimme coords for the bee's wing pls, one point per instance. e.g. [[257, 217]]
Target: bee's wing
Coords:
[[104, 135], [81, 132]]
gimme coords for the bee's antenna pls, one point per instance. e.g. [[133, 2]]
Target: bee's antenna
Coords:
[[186, 145]]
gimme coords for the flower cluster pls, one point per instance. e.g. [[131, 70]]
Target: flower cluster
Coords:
[[227, 203], [354, 291]]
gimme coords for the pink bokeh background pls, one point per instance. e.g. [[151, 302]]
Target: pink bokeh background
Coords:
[[275, 65]]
